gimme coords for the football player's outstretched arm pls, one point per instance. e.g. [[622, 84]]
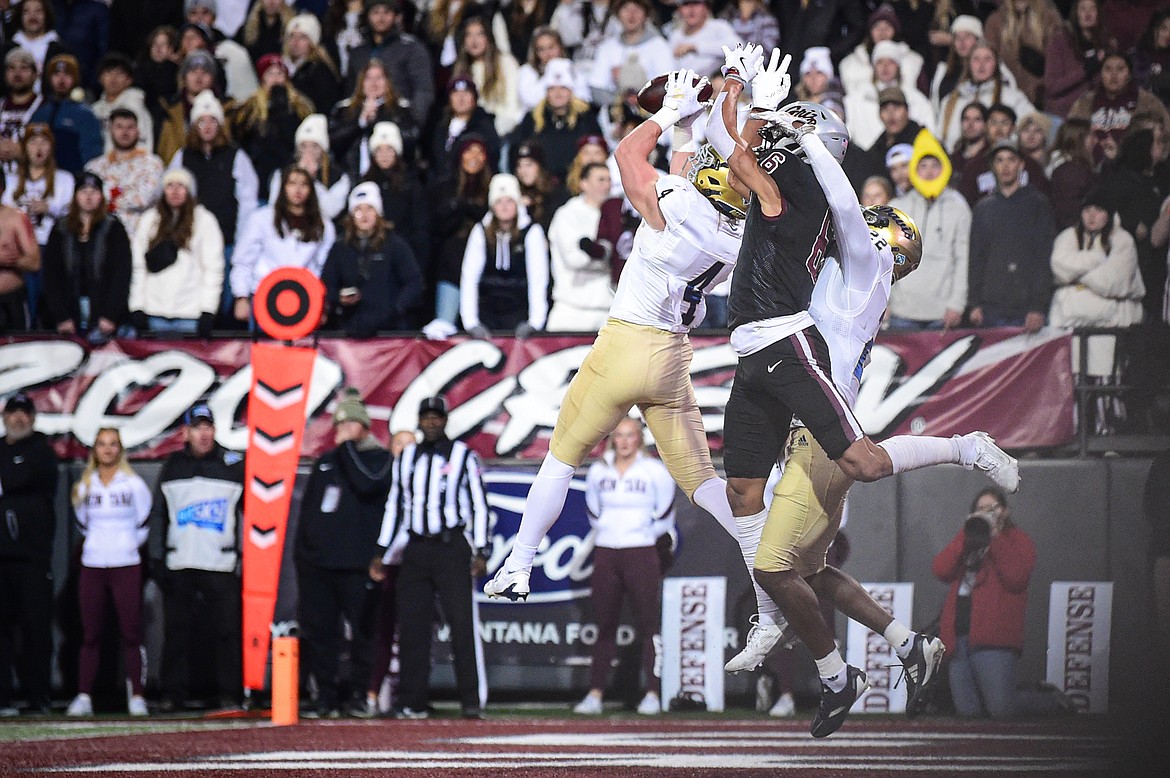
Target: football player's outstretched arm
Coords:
[[859, 260], [680, 107]]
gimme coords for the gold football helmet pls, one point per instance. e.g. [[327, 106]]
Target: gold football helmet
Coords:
[[709, 173], [891, 227]]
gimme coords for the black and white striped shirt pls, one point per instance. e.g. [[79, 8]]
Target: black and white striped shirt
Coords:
[[435, 487]]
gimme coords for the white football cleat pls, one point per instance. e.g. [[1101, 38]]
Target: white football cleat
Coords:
[[993, 460], [511, 585], [762, 639]]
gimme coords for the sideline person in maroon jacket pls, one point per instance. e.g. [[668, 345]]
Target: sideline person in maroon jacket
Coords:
[[988, 565]]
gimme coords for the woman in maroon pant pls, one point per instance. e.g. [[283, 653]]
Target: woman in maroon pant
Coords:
[[630, 497], [111, 503]]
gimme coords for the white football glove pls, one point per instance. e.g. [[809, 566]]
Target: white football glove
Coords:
[[772, 83], [743, 62], [682, 93], [783, 122]]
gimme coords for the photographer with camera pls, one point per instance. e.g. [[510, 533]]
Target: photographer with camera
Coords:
[[988, 565]]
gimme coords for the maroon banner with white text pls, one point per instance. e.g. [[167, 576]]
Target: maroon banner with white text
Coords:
[[505, 393]]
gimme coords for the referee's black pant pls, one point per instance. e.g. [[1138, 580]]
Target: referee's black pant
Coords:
[[432, 565]]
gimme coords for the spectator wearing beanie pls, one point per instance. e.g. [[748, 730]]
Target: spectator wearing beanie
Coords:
[[372, 282], [77, 130], [857, 69], [559, 121], [178, 254], [458, 202], [222, 172], [197, 75], [404, 201], [266, 124], [290, 232], [407, 60], [197, 37], [541, 193], [374, 100], [862, 111], [18, 105], [337, 536], [546, 46], [463, 117], [87, 268], [311, 69], [131, 172], [312, 154], [116, 76], [239, 76], [580, 266], [505, 275]]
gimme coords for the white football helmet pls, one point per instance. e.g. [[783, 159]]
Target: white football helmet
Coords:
[[801, 118]]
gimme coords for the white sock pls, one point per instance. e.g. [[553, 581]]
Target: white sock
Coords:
[[899, 636], [546, 500], [711, 496], [750, 528], [831, 668], [910, 452]]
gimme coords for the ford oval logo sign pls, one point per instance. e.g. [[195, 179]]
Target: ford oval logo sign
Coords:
[[564, 561]]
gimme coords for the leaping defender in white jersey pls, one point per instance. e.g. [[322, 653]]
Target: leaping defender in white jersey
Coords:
[[687, 243]]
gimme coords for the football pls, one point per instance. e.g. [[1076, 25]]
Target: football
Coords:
[[650, 96]]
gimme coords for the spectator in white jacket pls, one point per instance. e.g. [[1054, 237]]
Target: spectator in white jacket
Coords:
[[582, 291], [861, 100], [178, 273], [629, 59], [1097, 284], [330, 182], [934, 296], [630, 497], [494, 72], [857, 68], [290, 232], [504, 279], [697, 39], [546, 46], [112, 504], [982, 81]]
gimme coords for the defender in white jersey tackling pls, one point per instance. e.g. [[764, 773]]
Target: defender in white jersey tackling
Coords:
[[687, 243]]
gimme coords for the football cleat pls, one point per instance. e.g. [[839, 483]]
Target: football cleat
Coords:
[[590, 706], [785, 706], [136, 706], [512, 585], [835, 705], [921, 666], [762, 639], [650, 705], [993, 460], [81, 705]]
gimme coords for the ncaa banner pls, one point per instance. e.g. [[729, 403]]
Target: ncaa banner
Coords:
[[692, 641], [505, 394], [1079, 623], [871, 653], [287, 307]]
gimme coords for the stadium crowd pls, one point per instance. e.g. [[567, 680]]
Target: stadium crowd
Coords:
[[393, 147], [447, 166]]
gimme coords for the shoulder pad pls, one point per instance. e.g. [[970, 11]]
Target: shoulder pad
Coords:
[[674, 198]]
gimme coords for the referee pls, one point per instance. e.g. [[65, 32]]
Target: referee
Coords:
[[436, 514]]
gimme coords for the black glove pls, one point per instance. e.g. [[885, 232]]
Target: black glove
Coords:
[[162, 256], [1032, 60], [140, 321], [593, 248], [206, 322]]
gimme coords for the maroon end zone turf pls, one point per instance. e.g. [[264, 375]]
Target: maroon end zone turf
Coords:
[[609, 748]]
